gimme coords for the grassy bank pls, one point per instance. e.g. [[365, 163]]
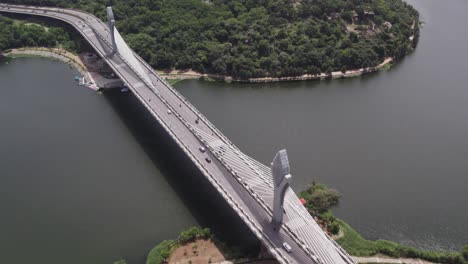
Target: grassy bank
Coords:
[[319, 201], [14, 56], [173, 81], [356, 245], [163, 250]]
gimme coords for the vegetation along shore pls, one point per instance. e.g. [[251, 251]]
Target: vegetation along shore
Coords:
[[319, 200], [257, 41], [197, 245]]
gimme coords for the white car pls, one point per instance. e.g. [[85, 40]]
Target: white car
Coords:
[[202, 149], [287, 247]]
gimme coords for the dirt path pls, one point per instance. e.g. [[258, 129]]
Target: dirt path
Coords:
[[55, 53], [75, 61], [69, 58], [388, 260], [198, 252], [190, 74]]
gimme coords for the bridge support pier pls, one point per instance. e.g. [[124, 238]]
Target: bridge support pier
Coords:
[[111, 23], [281, 179]]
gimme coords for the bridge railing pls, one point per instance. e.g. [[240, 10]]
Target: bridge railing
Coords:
[[266, 207], [292, 234], [215, 182]]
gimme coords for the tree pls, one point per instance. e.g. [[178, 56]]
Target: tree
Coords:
[[334, 228], [264, 48], [194, 233], [143, 44], [219, 66], [243, 38], [164, 60], [324, 200], [465, 252]]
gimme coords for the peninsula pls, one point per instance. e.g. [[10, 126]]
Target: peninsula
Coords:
[[256, 41]]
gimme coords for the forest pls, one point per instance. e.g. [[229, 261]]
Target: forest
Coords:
[[16, 33], [253, 38]]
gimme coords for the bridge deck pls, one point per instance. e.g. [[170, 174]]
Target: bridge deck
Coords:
[[245, 183]]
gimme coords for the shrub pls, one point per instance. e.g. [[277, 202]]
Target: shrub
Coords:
[[161, 252], [319, 197], [465, 252], [323, 200], [334, 228], [194, 233]]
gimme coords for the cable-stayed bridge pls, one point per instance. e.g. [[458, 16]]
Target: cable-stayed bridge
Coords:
[[259, 194]]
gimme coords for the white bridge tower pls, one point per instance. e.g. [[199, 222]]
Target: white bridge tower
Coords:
[[281, 179]]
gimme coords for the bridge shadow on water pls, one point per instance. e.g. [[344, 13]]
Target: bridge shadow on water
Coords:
[[202, 200]]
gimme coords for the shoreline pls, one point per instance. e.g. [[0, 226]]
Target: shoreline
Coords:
[[51, 53], [388, 260], [170, 251], [75, 61], [190, 74], [367, 251]]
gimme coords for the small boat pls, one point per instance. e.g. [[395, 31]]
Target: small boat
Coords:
[[81, 81]]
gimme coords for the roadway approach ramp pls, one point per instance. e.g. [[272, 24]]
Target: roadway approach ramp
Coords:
[[245, 184]]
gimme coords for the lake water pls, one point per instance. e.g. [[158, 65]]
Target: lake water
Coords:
[[85, 179], [76, 186], [88, 178], [394, 143]]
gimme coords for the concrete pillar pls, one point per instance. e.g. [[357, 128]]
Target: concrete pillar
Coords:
[[281, 179], [111, 23]]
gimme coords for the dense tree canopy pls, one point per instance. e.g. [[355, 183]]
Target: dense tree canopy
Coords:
[[256, 38], [15, 34], [321, 199]]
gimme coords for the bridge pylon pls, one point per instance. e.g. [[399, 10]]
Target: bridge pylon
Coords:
[[281, 179], [111, 24]]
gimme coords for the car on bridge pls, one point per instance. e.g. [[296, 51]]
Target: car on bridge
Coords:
[[287, 247]]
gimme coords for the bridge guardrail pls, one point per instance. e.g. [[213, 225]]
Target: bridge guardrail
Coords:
[[223, 192], [195, 111]]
